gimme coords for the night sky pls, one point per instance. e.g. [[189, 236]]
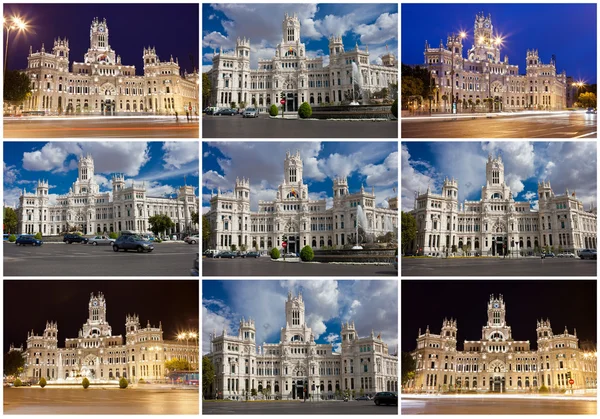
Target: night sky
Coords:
[[566, 30], [29, 304], [570, 303], [174, 29]]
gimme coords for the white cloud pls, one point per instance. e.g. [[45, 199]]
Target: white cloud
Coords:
[[158, 189], [10, 173], [211, 17], [416, 177], [179, 153], [385, 28], [332, 25], [383, 174], [11, 196], [332, 337]]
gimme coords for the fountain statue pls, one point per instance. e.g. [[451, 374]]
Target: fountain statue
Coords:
[[361, 220], [356, 79]]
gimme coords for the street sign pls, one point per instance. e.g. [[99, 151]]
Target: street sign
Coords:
[[190, 108], [282, 101], [571, 381], [284, 244]]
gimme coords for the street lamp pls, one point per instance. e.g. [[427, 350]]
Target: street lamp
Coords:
[[462, 36], [579, 85], [16, 23]]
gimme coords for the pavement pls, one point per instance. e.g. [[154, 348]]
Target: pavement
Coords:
[[297, 408], [265, 127], [565, 124], [105, 127], [173, 259], [100, 401], [263, 266], [565, 267], [496, 406]]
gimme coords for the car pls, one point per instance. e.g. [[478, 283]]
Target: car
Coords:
[[362, 398], [251, 255], [192, 239], [96, 240], [548, 255], [210, 253], [195, 271], [386, 397], [132, 243], [74, 238], [250, 113], [566, 255], [227, 255], [588, 254], [25, 239], [229, 112], [591, 110]]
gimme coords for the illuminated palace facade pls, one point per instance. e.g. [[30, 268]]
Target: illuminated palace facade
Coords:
[[297, 367], [101, 356], [294, 76], [496, 224], [102, 85], [482, 74], [497, 362]]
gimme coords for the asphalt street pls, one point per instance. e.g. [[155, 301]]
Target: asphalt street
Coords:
[[265, 127], [297, 408], [110, 127], [497, 406], [57, 401], [265, 267], [167, 259], [497, 267], [563, 125]]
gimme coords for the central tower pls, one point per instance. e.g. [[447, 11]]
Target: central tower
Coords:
[[99, 35], [291, 28]]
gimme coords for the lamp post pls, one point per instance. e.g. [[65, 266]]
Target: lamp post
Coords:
[[462, 35], [579, 85], [14, 22]]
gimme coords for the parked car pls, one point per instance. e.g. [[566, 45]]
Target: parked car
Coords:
[[250, 113], [588, 254], [74, 238], [192, 239], [251, 255], [195, 271], [24, 239], [226, 254], [362, 398], [132, 243], [566, 255], [591, 110], [386, 397], [210, 253], [229, 112], [101, 240], [548, 255]]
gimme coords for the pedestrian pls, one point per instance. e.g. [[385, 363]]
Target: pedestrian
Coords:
[[176, 116], [187, 115]]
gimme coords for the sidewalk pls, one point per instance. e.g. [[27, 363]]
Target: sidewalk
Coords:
[[449, 116]]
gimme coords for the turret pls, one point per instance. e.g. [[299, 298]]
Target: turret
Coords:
[[51, 334], [348, 333], [545, 190], [494, 170], [149, 56], [340, 187], [42, 188], [242, 49], [61, 49], [247, 330], [132, 324], [242, 189], [448, 333], [118, 182], [544, 331], [532, 57], [336, 46], [450, 189], [291, 28]]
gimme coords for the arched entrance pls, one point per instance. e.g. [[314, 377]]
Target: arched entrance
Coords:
[[107, 106]]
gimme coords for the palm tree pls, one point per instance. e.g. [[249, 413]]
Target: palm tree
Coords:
[[445, 99], [471, 104]]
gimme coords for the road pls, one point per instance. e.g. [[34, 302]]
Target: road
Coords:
[[59, 401], [497, 267], [50, 259], [265, 127], [496, 406], [109, 127], [560, 125], [297, 408], [265, 267]]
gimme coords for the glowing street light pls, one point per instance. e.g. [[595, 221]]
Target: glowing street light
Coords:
[[11, 23]]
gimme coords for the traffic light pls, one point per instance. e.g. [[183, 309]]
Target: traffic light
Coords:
[[569, 375]]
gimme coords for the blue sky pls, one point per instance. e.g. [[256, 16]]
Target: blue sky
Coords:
[[567, 30], [373, 305], [567, 165], [374, 164], [161, 165], [370, 24]]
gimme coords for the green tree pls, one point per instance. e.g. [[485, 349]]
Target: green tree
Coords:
[[123, 383], [408, 230], [206, 90], [194, 217], [85, 383], [395, 108], [208, 375], [177, 364], [12, 238], [587, 100], [273, 110], [206, 232], [113, 235], [305, 111], [307, 254], [160, 223], [233, 105], [42, 382], [275, 253], [253, 392], [407, 366], [17, 86], [233, 247], [17, 383], [38, 235], [10, 220], [13, 362]]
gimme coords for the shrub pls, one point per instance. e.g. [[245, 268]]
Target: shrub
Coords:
[[274, 110], [307, 254], [544, 390], [395, 108], [85, 383], [42, 382], [17, 383], [12, 238], [141, 381], [233, 247], [305, 111], [113, 235], [38, 235], [123, 382], [157, 240], [275, 253]]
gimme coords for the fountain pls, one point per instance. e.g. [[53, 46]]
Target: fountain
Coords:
[[356, 79], [361, 220]]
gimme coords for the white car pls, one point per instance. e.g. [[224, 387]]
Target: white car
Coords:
[[566, 255], [250, 113], [101, 240], [192, 239]]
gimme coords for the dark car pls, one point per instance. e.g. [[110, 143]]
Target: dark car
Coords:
[[588, 254], [74, 238], [251, 255], [548, 255], [386, 397], [23, 240], [195, 271], [132, 243], [228, 255], [362, 398], [226, 112]]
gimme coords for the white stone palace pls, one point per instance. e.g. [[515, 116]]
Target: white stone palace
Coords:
[[297, 367], [294, 76], [496, 224], [482, 74], [93, 212], [102, 85], [101, 356], [303, 221], [497, 362]]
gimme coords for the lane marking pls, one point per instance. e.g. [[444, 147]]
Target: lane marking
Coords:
[[585, 135]]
